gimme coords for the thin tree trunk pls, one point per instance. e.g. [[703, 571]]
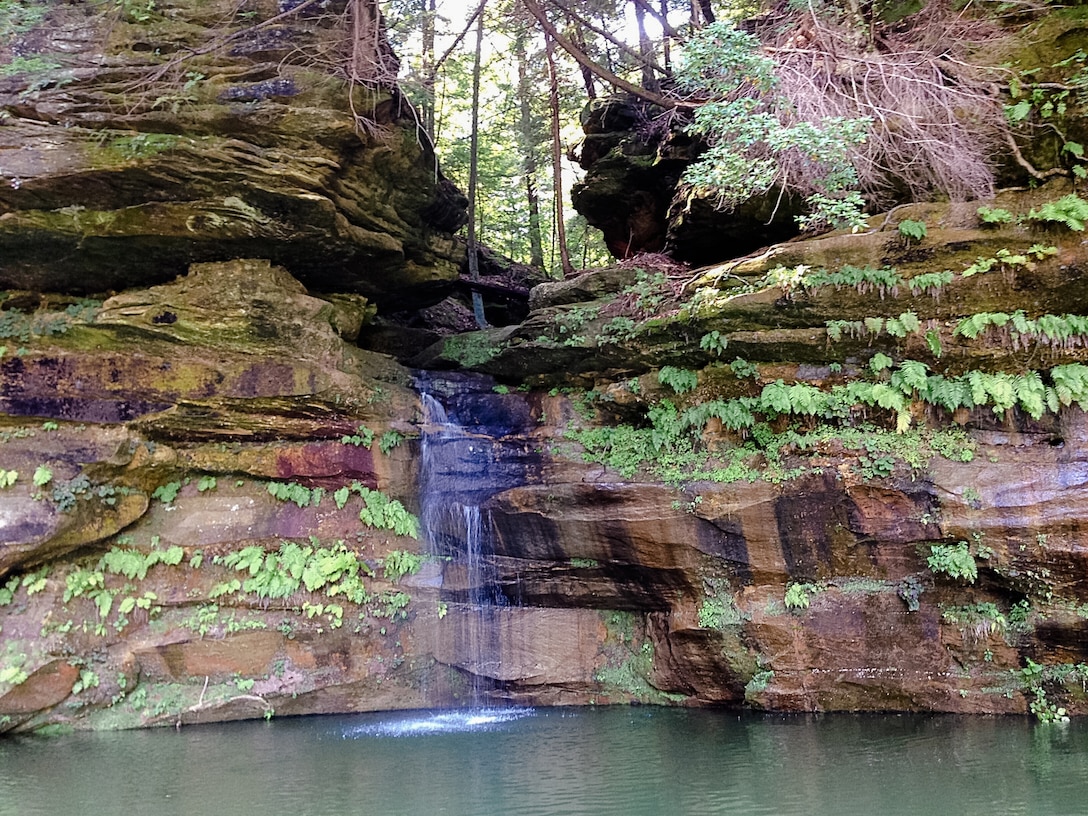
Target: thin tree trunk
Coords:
[[587, 75], [427, 10], [645, 50], [528, 155], [666, 40], [557, 159], [474, 151]]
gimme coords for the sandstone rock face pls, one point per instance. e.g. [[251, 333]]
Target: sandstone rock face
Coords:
[[847, 473], [126, 160], [212, 499]]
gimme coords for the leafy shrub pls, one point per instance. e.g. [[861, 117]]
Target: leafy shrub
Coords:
[[755, 139]]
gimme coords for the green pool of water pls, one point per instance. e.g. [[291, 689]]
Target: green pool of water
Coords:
[[559, 762]]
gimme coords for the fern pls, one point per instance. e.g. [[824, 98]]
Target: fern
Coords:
[[930, 283], [680, 380], [1070, 210], [933, 342]]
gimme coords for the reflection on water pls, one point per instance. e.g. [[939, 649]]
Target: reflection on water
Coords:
[[560, 762]]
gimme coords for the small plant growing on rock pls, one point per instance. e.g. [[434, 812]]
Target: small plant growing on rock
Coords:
[[167, 493], [714, 342], [954, 561], [680, 380], [912, 230], [994, 215], [797, 595], [363, 437]]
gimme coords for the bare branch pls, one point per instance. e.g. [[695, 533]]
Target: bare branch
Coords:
[[619, 82]]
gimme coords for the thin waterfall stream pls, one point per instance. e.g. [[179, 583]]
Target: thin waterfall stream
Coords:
[[454, 481]]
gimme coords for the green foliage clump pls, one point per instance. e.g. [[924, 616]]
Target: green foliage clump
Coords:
[[399, 563], [15, 324], [19, 16], [864, 279], [363, 437], [714, 342], [913, 230], [680, 380], [385, 513], [300, 495], [797, 595], [929, 283], [389, 440], [954, 561], [167, 493], [756, 142], [995, 215], [1070, 210], [471, 349]]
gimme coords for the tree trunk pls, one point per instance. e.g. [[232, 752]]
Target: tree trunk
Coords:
[[557, 159], [528, 156], [474, 155], [666, 40], [427, 67], [372, 61], [645, 50]]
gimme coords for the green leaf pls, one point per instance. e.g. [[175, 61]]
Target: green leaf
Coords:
[[42, 476], [879, 362], [1018, 112]]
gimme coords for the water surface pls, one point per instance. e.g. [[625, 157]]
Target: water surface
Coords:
[[559, 762]]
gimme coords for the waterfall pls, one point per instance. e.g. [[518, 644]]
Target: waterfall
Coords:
[[455, 465]]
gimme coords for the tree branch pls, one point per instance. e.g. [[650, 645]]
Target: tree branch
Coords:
[[624, 47], [619, 82]]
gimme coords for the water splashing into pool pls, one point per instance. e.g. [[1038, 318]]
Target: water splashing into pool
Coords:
[[419, 723]]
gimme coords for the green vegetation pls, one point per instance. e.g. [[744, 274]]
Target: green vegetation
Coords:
[[679, 380], [389, 440], [714, 342], [995, 215], [953, 560], [798, 595], [1033, 675], [913, 230], [167, 493], [754, 143], [363, 437], [718, 610], [470, 350], [1071, 211], [18, 325]]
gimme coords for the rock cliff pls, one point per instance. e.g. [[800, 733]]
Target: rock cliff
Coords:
[[135, 143], [843, 473]]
